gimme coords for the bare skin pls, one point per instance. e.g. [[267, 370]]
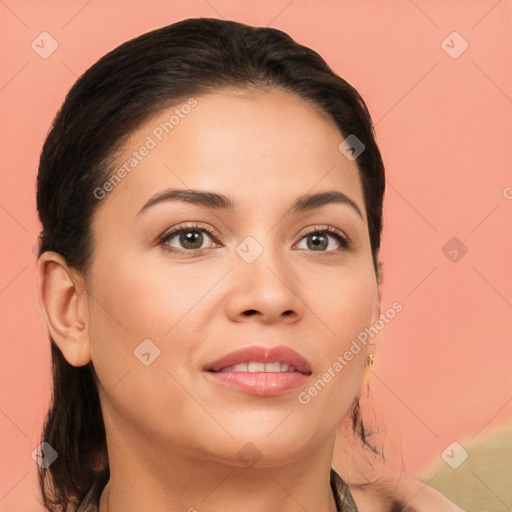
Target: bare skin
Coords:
[[174, 436]]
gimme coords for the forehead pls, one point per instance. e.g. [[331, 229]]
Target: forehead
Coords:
[[255, 146]]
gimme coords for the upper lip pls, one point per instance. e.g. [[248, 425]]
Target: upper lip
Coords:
[[260, 354]]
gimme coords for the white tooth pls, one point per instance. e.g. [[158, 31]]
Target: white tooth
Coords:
[[241, 367], [273, 367], [255, 367]]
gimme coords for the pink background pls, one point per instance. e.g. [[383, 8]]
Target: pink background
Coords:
[[444, 127]]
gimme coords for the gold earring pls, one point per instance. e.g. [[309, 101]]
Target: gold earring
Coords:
[[370, 361]]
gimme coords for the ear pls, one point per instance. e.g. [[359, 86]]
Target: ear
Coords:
[[371, 345], [63, 303]]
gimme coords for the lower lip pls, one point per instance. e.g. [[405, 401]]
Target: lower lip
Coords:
[[260, 383]]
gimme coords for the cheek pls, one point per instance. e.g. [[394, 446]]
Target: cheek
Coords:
[[133, 302], [146, 298], [344, 302], [344, 306]]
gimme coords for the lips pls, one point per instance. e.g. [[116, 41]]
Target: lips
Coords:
[[266, 355], [260, 371]]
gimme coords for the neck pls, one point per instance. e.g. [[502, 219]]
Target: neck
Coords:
[[166, 479]]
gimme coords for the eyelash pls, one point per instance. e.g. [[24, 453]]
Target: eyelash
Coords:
[[344, 241]]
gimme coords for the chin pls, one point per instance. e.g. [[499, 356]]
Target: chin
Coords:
[[265, 447]]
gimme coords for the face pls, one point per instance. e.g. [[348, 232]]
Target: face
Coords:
[[180, 283]]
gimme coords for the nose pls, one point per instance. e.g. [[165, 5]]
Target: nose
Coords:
[[266, 290]]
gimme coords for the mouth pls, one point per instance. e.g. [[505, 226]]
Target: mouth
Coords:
[[256, 367], [261, 371]]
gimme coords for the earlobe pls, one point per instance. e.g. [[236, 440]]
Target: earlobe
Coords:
[[63, 303]]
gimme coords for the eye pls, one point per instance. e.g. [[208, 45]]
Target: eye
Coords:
[[192, 239], [318, 240], [187, 238]]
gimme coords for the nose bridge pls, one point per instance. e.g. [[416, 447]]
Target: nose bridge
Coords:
[[262, 276], [261, 253]]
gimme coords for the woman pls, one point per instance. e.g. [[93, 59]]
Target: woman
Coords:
[[211, 201]]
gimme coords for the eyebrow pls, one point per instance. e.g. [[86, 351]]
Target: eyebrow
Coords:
[[216, 201]]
